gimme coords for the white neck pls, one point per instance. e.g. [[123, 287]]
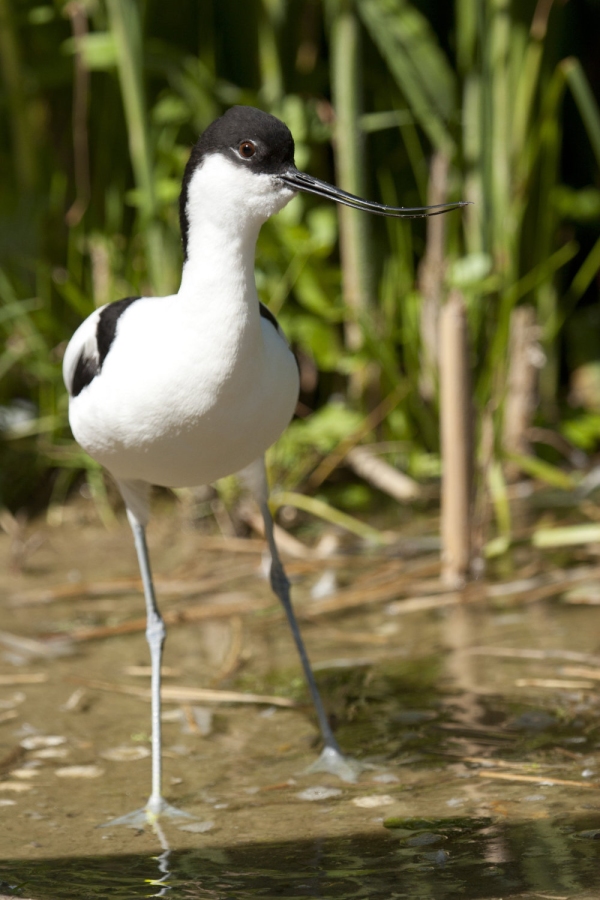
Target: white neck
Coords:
[[218, 260], [226, 207]]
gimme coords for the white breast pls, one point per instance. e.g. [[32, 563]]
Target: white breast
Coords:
[[187, 398]]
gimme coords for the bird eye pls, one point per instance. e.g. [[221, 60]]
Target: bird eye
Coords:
[[246, 149]]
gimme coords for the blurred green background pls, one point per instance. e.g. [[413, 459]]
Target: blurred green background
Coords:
[[406, 102]]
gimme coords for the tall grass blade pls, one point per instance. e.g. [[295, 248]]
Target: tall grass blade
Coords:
[[24, 141], [349, 150], [271, 75], [585, 101], [409, 47], [127, 31]]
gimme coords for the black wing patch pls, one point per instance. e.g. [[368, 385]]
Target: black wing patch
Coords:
[[267, 314], [88, 367], [85, 371], [107, 325]]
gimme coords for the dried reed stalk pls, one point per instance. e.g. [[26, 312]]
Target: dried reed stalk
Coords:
[[185, 694], [457, 441], [238, 605], [122, 586], [382, 476], [535, 779]]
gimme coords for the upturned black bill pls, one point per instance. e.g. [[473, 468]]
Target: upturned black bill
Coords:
[[300, 181]]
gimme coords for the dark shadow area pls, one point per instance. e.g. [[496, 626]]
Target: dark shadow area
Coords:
[[416, 858]]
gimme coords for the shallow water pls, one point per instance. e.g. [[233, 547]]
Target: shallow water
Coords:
[[475, 714], [447, 858]]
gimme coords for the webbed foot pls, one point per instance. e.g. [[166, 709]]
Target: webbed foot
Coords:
[[149, 815], [335, 763]]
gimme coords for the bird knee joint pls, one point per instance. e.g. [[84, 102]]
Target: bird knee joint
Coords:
[[155, 630], [279, 580]]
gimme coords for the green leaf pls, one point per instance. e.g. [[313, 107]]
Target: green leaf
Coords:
[[320, 340], [40, 15], [584, 431], [496, 547], [98, 50], [580, 205], [170, 110], [323, 510], [324, 429], [567, 536], [544, 471], [470, 270], [314, 296]]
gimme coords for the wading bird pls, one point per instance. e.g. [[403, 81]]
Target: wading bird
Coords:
[[182, 390]]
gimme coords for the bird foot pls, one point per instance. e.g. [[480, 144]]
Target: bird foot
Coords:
[[149, 815], [335, 763]]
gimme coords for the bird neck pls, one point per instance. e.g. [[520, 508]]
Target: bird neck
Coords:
[[220, 260]]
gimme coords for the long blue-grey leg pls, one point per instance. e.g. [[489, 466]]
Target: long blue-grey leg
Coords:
[[281, 588], [331, 759], [136, 497], [155, 635]]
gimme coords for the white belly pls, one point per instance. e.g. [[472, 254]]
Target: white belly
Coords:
[[186, 406]]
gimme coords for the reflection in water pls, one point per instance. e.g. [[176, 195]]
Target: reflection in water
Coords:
[[445, 859], [163, 868], [162, 862]]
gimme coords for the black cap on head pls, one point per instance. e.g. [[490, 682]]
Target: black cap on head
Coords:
[[273, 139], [273, 148]]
